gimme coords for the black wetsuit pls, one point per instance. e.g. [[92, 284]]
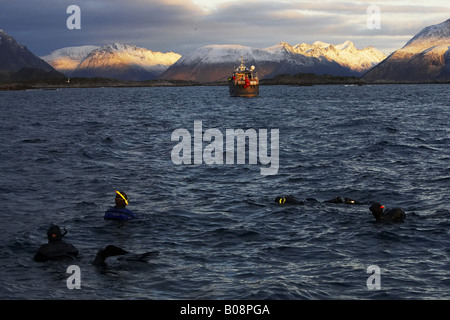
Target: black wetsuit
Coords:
[[292, 200], [56, 250], [388, 215], [342, 200], [288, 200]]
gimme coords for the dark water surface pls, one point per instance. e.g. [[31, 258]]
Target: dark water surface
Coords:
[[219, 232]]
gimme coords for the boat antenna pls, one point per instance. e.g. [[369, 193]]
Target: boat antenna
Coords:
[[242, 66]]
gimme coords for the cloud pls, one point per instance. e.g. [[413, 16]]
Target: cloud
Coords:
[[41, 24], [264, 23], [183, 25]]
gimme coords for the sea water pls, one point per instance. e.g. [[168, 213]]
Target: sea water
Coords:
[[219, 231]]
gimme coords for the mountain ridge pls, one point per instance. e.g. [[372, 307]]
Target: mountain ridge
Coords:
[[425, 57], [15, 56], [124, 62], [67, 59], [215, 62]]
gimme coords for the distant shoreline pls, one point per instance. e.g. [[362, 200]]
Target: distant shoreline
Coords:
[[304, 79]]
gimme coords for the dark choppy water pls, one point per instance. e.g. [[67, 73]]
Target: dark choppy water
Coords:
[[220, 234]]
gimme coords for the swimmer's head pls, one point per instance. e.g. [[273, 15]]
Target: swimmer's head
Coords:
[[377, 209], [121, 199], [280, 200], [54, 233]]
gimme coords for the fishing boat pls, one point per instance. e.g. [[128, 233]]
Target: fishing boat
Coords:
[[244, 82]]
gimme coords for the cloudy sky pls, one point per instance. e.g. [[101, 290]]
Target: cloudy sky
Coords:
[[184, 25]]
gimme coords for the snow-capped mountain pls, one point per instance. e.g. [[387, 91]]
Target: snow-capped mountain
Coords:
[[426, 57], [431, 35], [124, 62], [15, 56], [66, 60], [345, 54], [216, 62]]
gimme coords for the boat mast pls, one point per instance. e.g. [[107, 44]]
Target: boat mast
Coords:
[[242, 66]]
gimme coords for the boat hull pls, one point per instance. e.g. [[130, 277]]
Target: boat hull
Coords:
[[242, 91]]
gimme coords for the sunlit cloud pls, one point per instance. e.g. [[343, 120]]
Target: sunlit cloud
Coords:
[[184, 25]]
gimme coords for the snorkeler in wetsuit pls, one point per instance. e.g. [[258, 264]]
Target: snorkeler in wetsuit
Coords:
[[119, 211], [288, 200], [56, 248], [342, 200], [292, 200], [388, 215]]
